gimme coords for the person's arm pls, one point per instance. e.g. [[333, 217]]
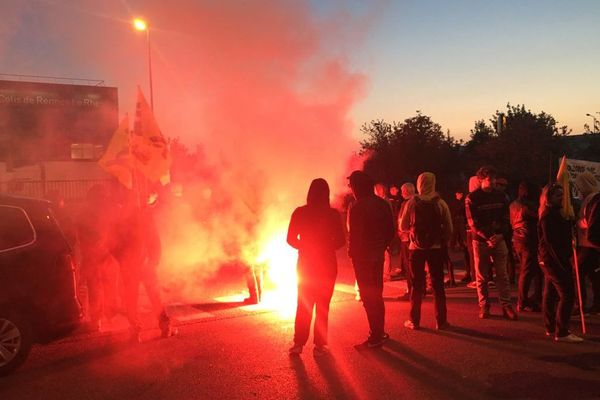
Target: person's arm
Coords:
[[292, 235], [404, 226], [447, 226], [473, 218], [390, 227], [338, 230]]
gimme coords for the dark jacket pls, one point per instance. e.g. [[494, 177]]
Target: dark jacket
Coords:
[[554, 236], [487, 214], [371, 228], [316, 230]]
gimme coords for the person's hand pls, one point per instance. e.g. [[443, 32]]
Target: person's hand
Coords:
[[494, 240]]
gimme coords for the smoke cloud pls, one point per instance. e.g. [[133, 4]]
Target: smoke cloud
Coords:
[[260, 92]]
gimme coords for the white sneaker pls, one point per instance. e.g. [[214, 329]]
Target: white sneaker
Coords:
[[295, 349], [570, 338]]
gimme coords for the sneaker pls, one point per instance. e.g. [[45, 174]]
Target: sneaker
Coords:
[[570, 338], [509, 313], [373, 342], [472, 285], [484, 312], [444, 326], [296, 349], [411, 325], [550, 333], [320, 351]]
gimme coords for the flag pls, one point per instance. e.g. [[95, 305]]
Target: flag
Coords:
[[562, 178], [149, 148], [117, 159]]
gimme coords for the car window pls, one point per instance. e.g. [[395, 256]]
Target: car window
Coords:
[[15, 228]]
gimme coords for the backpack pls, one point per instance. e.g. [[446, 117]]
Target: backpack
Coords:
[[426, 228]]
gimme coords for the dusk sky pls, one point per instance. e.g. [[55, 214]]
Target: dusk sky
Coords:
[[457, 61]]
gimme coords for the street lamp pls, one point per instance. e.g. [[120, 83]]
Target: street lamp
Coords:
[[596, 126], [141, 25]]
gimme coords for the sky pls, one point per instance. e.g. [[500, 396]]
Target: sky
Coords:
[[456, 61]]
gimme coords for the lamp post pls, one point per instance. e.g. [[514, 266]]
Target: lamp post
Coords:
[[141, 25], [596, 126]]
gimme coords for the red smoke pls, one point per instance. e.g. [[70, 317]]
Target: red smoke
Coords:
[[262, 87]]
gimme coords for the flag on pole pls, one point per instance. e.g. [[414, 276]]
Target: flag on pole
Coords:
[[562, 178], [117, 158], [149, 148]]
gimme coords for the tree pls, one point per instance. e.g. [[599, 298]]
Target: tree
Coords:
[[523, 146], [401, 151]]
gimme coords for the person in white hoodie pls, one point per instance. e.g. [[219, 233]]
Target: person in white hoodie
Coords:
[[427, 218], [588, 253]]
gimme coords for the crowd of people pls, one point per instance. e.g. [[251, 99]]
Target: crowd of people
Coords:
[[497, 236]]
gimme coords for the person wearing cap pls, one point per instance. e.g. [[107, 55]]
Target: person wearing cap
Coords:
[[371, 229], [488, 217], [588, 254]]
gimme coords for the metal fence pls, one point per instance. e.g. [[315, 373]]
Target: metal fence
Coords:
[[70, 190]]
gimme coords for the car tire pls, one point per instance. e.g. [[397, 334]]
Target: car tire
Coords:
[[15, 341]]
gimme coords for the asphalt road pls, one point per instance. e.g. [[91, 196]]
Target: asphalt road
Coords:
[[228, 351]]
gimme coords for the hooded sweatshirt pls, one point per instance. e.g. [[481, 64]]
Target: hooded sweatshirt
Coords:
[[588, 185], [316, 230], [426, 190]]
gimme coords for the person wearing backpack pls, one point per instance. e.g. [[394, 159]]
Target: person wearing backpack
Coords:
[[427, 218], [488, 216]]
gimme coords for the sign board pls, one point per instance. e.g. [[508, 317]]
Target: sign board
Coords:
[[40, 121], [576, 167]]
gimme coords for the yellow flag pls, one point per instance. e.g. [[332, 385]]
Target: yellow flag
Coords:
[[562, 178], [117, 159], [149, 148]]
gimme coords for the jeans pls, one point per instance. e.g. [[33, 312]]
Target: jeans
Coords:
[[529, 273], [487, 258], [369, 276], [315, 295], [558, 298], [434, 259]]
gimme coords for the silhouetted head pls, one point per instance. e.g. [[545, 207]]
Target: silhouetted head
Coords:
[[318, 193], [551, 197], [487, 176], [380, 190], [407, 190], [426, 185], [361, 184]]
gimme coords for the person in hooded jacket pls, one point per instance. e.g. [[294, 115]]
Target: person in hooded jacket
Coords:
[[371, 229], [588, 252], [316, 230], [554, 251], [430, 250]]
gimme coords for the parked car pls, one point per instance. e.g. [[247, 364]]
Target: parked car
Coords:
[[38, 293]]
